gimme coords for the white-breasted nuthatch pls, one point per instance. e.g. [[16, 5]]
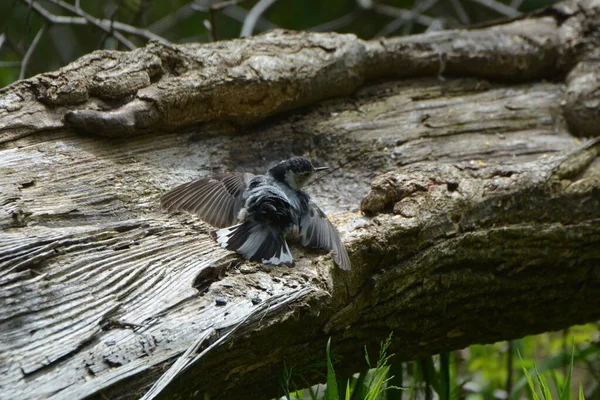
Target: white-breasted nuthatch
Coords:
[[257, 212]]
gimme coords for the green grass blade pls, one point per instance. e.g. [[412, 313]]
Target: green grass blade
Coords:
[[359, 390], [348, 392], [377, 386], [331, 393], [566, 390], [532, 388], [544, 388], [557, 379], [556, 362]]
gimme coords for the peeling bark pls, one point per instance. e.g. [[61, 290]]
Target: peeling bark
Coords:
[[481, 207]]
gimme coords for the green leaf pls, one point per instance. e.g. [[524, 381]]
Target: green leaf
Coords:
[[581, 396], [359, 389], [376, 387], [556, 362], [566, 390], [348, 389], [532, 388], [543, 385], [558, 379], [331, 393]]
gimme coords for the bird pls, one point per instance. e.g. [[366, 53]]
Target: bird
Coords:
[[255, 213]]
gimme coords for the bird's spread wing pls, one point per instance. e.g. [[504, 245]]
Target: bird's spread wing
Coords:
[[216, 200], [317, 231]]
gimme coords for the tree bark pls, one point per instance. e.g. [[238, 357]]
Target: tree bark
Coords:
[[479, 218]]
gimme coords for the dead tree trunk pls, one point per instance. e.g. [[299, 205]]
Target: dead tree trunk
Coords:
[[481, 222]]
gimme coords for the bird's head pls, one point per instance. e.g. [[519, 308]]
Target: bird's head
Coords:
[[295, 172]]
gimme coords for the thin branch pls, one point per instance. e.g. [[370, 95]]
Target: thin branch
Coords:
[[337, 23], [365, 4], [17, 49], [239, 14], [460, 12], [102, 24], [30, 51], [54, 19], [172, 19], [107, 28], [256, 11], [516, 4], [186, 11], [212, 9], [120, 26], [498, 7], [2, 40], [111, 31], [217, 6], [397, 23], [403, 14]]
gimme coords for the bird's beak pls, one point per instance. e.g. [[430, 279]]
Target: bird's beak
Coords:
[[321, 169]]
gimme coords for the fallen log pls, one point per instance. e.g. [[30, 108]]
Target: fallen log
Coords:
[[469, 207]]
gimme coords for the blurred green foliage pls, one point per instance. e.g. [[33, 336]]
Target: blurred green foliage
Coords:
[[178, 22], [554, 365]]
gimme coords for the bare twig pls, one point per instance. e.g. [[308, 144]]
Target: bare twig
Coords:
[[111, 31], [172, 19], [365, 4], [239, 14], [337, 23], [190, 9], [398, 22], [17, 49], [498, 7], [54, 19], [460, 12], [106, 27], [516, 4], [30, 51], [217, 6], [403, 14], [256, 11], [212, 9], [102, 24]]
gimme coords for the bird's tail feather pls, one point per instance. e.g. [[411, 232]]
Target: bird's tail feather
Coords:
[[256, 242]]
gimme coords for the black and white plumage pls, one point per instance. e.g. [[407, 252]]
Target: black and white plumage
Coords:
[[256, 213]]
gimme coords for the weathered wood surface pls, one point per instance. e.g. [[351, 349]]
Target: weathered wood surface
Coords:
[[483, 217]]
